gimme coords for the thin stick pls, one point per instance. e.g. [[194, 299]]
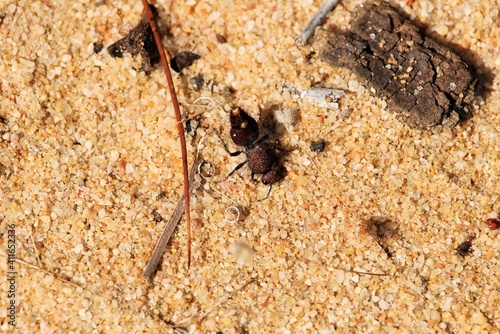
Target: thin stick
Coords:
[[168, 230], [36, 251], [359, 272], [180, 126], [162, 243], [32, 266], [206, 98], [320, 15]]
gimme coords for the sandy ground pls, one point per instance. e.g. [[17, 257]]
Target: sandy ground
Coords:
[[90, 157]]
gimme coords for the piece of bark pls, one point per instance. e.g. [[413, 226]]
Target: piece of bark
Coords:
[[426, 82], [183, 60], [139, 41]]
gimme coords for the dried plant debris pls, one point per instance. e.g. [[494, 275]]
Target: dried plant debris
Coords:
[[428, 83], [324, 97], [320, 15], [464, 248], [169, 227], [183, 60], [139, 41]]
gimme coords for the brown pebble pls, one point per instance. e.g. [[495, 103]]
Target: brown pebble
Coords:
[[464, 248], [221, 39], [493, 223]]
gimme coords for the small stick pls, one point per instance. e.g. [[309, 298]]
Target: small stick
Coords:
[[180, 127], [32, 266], [320, 15], [324, 97], [36, 251], [167, 231], [162, 243], [360, 272]]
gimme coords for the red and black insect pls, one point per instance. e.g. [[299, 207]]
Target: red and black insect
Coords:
[[261, 157]]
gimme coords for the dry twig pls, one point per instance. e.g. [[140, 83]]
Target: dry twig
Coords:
[[359, 272], [172, 223], [32, 266], [165, 57], [320, 15]]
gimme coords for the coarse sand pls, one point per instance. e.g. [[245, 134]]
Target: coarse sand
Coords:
[[90, 171]]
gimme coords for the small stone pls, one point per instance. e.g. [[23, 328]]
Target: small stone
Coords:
[[178, 295], [98, 47], [442, 29], [383, 305], [78, 248], [129, 168], [227, 92], [220, 38], [114, 155], [197, 82], [353, 85], [318, 146], [479, 319]]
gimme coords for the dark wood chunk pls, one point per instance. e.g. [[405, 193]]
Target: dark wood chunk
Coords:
[[318, 146], [139, 41], [183, 60], [424, 81]]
